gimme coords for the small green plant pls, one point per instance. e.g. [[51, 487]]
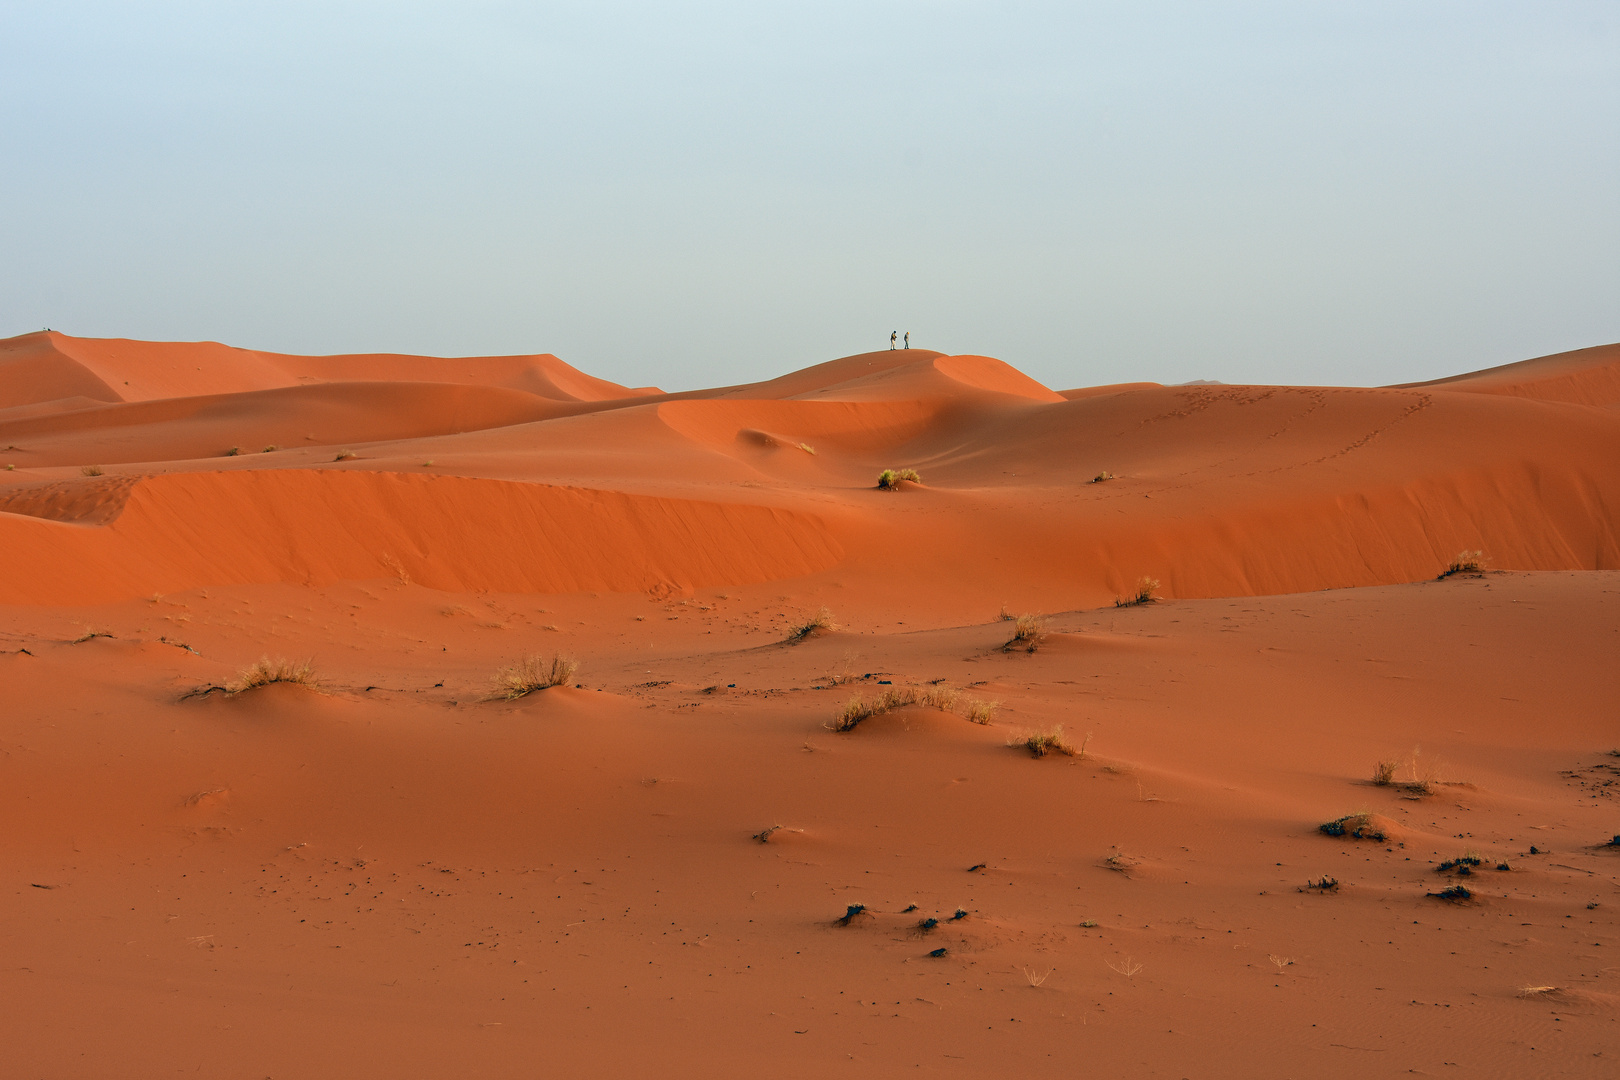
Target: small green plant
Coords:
[[820, 621], [1466, 562], [1142, 595], [1356, 826], [1454, 893], [533, 673], [264, 671], [233, 451], [1041, 743], [91, 470], [890, 479], [1028, 633]]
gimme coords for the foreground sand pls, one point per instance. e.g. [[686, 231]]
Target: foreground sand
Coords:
[[392, 876]]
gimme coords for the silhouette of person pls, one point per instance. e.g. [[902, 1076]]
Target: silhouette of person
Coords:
[[892, 335], [908, 339]]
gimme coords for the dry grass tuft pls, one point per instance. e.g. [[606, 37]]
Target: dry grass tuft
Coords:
[[807, 448], [91, 470], [233, 451], [264, 671], [890, 479], [269, 449], [1537, 991], [533, 673], [89, 634], [1036, 980], [943, 698], [1102, 477], [1142, 595], [821, 620], [1384, 773], [1466, 562], [1042, 743], [345, 455], [980, 712], [1127, 967], [1028, 633]]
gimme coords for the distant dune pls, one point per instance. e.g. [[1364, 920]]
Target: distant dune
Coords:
[[1217, 490]]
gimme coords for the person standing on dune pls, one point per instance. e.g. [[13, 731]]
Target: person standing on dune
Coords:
[[892, 335], [908, 339]]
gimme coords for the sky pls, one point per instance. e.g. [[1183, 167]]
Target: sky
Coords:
[[698, 194]]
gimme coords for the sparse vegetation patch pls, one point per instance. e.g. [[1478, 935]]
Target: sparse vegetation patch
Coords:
[[1041, 743], [1142, 595], [1103, 477], [858, 708], [265, 671], [1028, 633], [533, 673], [820, 621], [1466, 562], [1356, 826], [890, 479]]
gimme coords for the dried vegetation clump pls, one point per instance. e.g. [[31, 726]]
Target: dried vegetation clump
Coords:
[[858, 708], [1466, 562], [533, 673], [1041, 743], [890, 479], [1142, 595], [819, 622], [265, 671], [1028, 633], [1356, 826]]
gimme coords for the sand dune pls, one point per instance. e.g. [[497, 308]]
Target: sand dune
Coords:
[[393, 872]]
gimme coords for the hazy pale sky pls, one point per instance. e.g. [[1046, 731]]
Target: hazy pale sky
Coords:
[[1349, 192]]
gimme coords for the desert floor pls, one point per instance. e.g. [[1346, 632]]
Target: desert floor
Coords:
[[392, 871]]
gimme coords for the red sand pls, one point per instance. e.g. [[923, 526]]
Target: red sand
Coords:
[[392, 876]]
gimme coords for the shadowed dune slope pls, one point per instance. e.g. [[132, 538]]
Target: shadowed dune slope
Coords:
[[173, 532]]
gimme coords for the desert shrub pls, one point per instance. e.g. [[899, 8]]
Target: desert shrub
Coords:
[[1028, 633], [1042, 743], [269, 449], [1461, 863], [849, 916], [1466, 562], [345, 455], [1142, 595], [1384, 773], [889, 479], [1356, 826], [821, 620], [91, 470], [1453, 893], [533, 673], [980, 712], [264, 671], [233, 451], [857, 708], [1102, 477]]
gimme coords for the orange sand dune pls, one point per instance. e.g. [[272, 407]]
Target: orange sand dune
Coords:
[[396, 872]]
